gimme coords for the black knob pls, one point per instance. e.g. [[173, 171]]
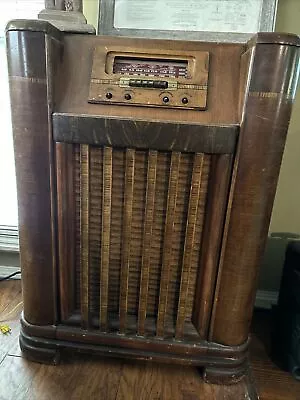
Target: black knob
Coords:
[[127, 96], [185, 100], [108, 95], [166, 99]]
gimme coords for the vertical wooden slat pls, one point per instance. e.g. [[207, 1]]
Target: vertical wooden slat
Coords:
[[84, 233], [147, 235], [126, 235], [71, 223], [189, 244], [215, 210], [105, 235], [167, 250], [65, 225]]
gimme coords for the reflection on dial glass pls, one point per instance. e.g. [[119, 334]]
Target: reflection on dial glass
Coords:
[[149, 67]]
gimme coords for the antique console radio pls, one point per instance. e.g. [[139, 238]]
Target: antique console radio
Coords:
[[146, 172]]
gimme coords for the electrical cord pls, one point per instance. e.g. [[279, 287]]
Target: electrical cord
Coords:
[[9, 276]]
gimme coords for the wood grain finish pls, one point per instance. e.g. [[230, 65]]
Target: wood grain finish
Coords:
[[105, 77], [105, 243], [83, 376], [218, 188], [160, 253], [65, 225], [232, 360], [35, 25], [33, 158], [261, 145], [223, 85], [144, 134], [167, 252], [147, 239], [128, 183], [274, 38], [189, 244], [84, 234], [126, 237]]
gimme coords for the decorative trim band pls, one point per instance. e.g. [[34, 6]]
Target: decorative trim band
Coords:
[[271, 95], [28, 79]]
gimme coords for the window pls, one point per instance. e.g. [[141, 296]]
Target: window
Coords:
[[9, 9]]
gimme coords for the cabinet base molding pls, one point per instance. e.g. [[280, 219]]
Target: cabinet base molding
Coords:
[[219, 364]]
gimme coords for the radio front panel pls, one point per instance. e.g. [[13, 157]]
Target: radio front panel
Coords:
[[149, 78]]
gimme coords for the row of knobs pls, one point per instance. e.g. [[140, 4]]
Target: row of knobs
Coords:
[[127, 96], [165, 99]]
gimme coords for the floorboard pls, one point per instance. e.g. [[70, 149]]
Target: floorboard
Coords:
[[10, 309], [84, 377]]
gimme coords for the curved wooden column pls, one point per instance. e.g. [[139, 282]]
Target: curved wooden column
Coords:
[[29, 45], [266, 117]]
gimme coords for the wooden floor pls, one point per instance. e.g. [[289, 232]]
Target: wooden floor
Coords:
[[81, 377]]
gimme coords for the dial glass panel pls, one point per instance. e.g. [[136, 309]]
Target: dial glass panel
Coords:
[[150, 67]]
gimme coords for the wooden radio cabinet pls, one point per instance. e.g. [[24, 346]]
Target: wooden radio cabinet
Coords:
[[146, 173]]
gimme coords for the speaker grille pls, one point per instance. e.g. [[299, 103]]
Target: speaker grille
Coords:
[[138, 227]]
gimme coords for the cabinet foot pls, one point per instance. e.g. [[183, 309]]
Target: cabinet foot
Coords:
[[43, 355], [223, 376]]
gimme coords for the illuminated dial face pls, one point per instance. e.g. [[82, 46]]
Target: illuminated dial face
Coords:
[[158, 68]]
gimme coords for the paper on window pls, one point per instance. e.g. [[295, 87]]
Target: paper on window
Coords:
[[191, 15]]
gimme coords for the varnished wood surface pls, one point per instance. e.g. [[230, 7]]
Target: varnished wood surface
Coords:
[[60, 84], [84, 240], [275, 37], [189, 243], [91, 378], [223, 85], [65, 227], [147, 238], [134, 288], [167, 251], [30, 112], [34, 26], [126, 237], [143, 134], [254, 181], [105, 243], [212, 235]]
